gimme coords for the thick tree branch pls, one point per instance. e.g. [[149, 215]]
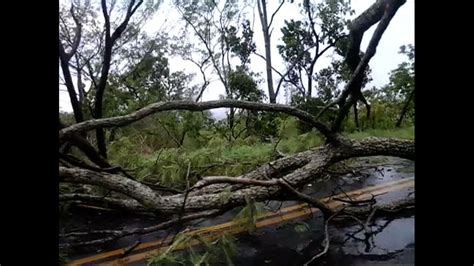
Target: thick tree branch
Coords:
[[91, 153], [106, 62], [297, 170], [126, 204], [78, 116], [115, 234], [193, 106], [77, 37], [354, 85], [143, 194]]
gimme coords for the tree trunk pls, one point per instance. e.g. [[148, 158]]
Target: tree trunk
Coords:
[[110, 39], [349, 95], [405, 108], [76, 106], [262, 10], [356, 116]]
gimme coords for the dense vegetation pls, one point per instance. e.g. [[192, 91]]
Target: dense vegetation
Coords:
[[158, 149]]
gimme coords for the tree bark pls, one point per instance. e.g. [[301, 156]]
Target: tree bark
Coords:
[[405, 108], [107, 58], [262, 11], [65, 58], [76, 106], [194, 106], [358, 27], [311, 165]]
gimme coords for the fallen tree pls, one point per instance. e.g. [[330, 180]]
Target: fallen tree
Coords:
[[278, 179], [297, 170]]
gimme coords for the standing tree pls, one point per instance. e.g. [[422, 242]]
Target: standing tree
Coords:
[[305, 43], [266, 30], [402, 81], [100, 49], [217, 26]]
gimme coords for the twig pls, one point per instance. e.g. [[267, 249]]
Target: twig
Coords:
[[157, 158], [180, 215], [115, 234], [326, 239], [357, 202], [368, 229], [130, 249]]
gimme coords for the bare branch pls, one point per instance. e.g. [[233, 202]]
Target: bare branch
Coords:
[[201, 68], [326, 240], [127, 204], [274, 13], [130, 11], [115, 234], [193, 106], [206, 44], [77, 37], [263, 57]]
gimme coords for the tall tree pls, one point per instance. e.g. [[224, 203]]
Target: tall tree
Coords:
[[304, 43], [224, 36], [122, 28], [266, 30], [402, 82]]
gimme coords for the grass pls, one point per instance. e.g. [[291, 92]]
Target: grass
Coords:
[[403, 133], [407, 170], [219, 158]]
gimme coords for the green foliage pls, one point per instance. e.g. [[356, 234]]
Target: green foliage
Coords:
[[331, 15], [305, 40], [301, 227], [146, 78], [168, 165], [407, 170], [247, 217], [63, 259], [394, 96], [296, 40], [403, 133], [243, 46], [244, 87], [219, 252], [66, 118], [291, 139]]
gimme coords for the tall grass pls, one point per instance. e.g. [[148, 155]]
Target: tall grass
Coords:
[[169, 166], [403, 133]]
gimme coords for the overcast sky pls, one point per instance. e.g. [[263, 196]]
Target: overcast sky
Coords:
[[399, 32]]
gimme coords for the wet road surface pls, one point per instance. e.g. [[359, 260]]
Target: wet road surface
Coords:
[[283, 244]]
